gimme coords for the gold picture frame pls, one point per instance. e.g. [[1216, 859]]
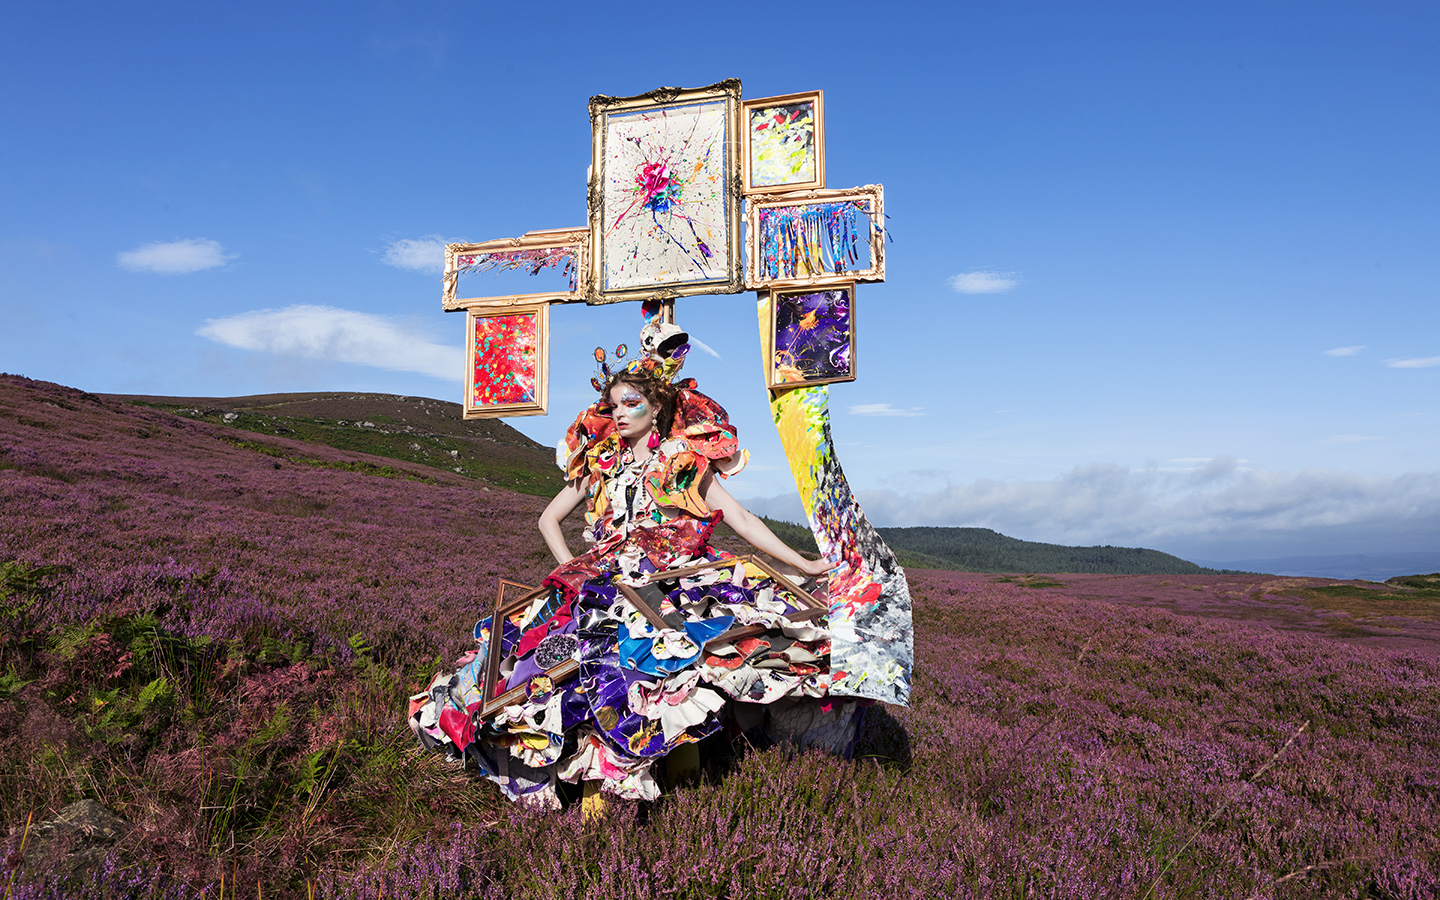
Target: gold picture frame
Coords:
[[531, 606], [507, 359], [535, 249], [803, 238], [664, 197], [783, 146], [812, 337]]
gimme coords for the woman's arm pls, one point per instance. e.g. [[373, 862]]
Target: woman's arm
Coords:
[[748, 526], [563, 505]]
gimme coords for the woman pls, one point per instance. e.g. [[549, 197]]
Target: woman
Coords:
[[645, 459]]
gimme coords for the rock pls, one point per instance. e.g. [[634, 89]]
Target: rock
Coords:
[[76, 840]]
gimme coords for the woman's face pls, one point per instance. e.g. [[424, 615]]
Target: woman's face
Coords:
[[633, 415]]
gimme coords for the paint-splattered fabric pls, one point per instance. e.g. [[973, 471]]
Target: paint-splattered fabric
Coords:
[[870, 620], [641, 690]]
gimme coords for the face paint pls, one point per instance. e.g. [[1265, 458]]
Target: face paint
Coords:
[[633, 414]]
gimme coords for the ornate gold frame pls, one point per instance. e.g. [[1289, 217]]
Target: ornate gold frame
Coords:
[[575, 240], [817, 98], [503, 306], [873, 195], [770, 369], [601, 109]]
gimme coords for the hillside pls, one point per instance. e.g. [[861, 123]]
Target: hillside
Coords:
[[412, 429], [213, 632]]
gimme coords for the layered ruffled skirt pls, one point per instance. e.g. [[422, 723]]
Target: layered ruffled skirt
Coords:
[[731, 644]]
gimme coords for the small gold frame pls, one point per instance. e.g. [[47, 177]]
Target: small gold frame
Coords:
[[749, 110], [541, 393], [575, 241], [772, 370], [663, 283], [506, 606], [871, 198]]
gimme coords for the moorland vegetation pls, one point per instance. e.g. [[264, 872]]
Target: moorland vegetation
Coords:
[[211, 633]]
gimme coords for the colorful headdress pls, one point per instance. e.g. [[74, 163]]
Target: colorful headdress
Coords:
[[663, 347]]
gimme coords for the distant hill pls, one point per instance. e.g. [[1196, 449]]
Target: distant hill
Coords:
[[411, 429], [984, 550], [432, 433]]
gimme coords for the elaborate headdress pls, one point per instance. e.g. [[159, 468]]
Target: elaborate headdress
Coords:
[[663, 347]]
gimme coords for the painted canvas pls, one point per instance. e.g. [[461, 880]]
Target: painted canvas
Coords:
[[664, 210], [506, 367], [812, 336], [811, 237], [784, 143]]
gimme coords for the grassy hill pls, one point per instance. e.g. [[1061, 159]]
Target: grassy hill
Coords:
[[213, 633], [432, 433]]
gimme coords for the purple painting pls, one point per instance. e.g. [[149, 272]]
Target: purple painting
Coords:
[[814, 337]]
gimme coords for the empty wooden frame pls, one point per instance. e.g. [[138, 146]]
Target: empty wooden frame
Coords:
[[567, 249], [511, 676]]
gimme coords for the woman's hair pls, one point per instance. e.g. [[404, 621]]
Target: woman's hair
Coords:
[[661, 395]]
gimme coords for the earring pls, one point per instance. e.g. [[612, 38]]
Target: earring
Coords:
[[654, 440]]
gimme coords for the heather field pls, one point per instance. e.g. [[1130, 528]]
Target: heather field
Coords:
[[212, 632]]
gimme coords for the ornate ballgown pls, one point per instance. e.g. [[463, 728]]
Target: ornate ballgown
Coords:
[[640, 690]]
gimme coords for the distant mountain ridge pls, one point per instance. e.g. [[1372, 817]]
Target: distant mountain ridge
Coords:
[[433, 433]]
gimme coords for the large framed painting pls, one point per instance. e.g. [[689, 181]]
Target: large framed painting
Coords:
[[665, 194], [784, 143], [563, 250], [812, 335], [507, 360], [815, 237]]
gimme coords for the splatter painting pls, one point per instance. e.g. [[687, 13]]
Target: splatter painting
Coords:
[[506, 371], [817, 235], [870, 624], [562, 251], [784, 143], [666, 217], [813, 337]]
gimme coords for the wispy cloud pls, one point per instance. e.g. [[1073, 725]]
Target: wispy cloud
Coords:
[[179, 257], [1422, 362], [884, 409], [1345, 351], [704, 346], [984, 282], [424, 254], [1351, 438], [336, 335]]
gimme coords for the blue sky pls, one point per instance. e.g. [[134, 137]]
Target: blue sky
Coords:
[[1160, 276]]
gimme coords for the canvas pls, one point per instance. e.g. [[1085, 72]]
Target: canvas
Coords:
[[784, 143], [815, 237], [506, 368], [812, 336], [664, 194]]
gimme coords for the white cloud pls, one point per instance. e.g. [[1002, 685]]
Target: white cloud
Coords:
[[1351, 438], [1345, 351], [1219, 502], [425, 254], [982, 282], [1423, 362], [336, 335], [704, 346], [178, 257], [884, 409]]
